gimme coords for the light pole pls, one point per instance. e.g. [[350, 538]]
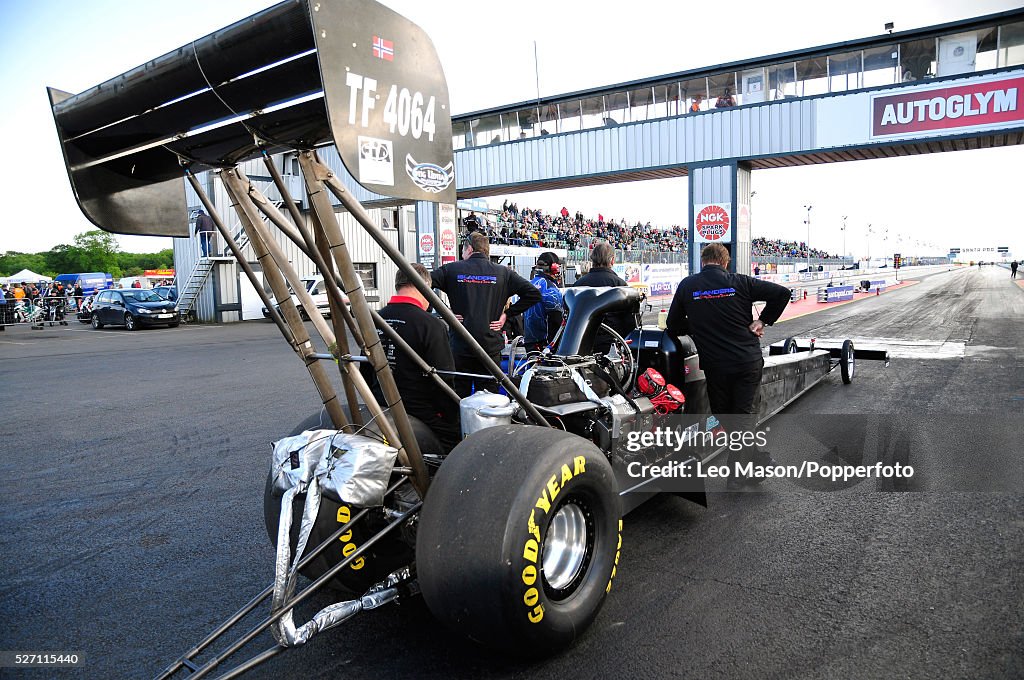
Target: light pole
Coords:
[[843, 229], [807, 243], [750, 217]]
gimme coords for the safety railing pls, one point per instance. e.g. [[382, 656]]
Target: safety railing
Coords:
[[38, 312]]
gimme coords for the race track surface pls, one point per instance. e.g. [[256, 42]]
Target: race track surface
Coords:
[[133, 468]]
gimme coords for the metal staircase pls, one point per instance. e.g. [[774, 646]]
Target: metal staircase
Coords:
[[188, 293]]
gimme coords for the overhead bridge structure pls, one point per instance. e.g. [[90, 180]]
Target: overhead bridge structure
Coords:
[[951, 87]]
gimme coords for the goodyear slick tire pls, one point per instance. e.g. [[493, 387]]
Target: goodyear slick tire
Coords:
[[383, 558], [789, 346], [483, 534]]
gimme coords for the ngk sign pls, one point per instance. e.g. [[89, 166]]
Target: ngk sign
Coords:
[[711, 223], [985, 103]]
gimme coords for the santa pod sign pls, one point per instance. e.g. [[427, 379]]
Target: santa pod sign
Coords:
[[711, 223]]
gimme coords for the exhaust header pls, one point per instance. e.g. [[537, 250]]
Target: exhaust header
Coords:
[[300, 74]]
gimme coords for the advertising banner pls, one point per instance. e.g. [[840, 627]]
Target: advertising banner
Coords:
[[743, 223], [988, 102], [530, 252], [448, 228], [711, 223], [628, 271], [662, 278], [425, 246], [838, 293]]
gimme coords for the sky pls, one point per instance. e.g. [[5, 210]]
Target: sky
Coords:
[[959, 199]]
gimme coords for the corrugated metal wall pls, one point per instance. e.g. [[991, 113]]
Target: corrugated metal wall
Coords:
[[221, 287], [711, 184]]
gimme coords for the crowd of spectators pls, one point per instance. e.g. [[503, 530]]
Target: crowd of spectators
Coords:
[[533, 227], [777, 248], [515, 226]]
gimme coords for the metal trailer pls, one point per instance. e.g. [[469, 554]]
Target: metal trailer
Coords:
[[513, 536]]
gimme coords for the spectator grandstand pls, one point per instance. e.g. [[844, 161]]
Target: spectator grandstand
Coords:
[[777, 248], [530, 227], [535, 228]]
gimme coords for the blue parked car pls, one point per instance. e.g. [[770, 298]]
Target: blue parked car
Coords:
[[167, 292], [132, 308]]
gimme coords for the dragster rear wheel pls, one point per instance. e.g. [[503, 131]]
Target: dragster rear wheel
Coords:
[[519, 538], [847, 362]]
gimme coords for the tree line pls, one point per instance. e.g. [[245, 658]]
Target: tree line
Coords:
[[91, 251]]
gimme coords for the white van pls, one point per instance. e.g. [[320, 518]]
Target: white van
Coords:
[[317, 290], [129, 282]]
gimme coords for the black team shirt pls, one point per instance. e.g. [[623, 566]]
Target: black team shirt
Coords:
[[478, 290], [428, 337], [714, 308]]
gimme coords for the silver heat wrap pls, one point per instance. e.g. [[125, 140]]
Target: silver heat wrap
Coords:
[[351, 469], [356, 470], [295, 458]]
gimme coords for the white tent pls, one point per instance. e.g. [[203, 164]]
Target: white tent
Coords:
[[27, 276]]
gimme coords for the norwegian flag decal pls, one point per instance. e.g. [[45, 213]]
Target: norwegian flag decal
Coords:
[[383, 49]]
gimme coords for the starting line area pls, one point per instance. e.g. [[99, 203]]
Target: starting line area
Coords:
[[810, 305]]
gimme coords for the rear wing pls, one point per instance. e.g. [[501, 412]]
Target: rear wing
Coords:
[[300, 74]]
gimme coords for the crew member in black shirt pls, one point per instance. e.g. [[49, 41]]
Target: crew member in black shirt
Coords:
[[601, 275], [428, 337], [714, 308], [477, 292]]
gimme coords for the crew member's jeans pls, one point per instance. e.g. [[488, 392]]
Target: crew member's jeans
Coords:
[[470, 364], [732, 397], [204, 242]]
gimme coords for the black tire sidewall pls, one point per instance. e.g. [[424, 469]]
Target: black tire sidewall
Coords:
[[561, 619], [847, 362], [477, 550]]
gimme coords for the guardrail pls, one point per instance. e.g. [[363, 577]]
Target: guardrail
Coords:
[[37, 313]]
